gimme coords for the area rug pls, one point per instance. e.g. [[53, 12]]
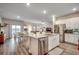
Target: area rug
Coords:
[[56, 51]]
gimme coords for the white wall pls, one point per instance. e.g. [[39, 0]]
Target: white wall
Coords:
[[71, 23]]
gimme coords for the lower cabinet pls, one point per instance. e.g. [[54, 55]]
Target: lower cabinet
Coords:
[[41, 46], [71, 38], [53, 41], [38, 46]]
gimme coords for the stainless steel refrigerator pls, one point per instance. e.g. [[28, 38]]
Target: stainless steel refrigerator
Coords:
[[62, 28]]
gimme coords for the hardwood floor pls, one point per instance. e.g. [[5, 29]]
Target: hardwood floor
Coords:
[[12, 47], [69, 49], [8, 48]]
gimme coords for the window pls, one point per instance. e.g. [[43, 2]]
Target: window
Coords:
[[15, 29]]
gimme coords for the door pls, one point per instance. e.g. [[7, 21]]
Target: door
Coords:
[[15, 29]]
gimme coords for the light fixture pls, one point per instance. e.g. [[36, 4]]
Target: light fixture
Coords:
[[18, 17], [74, 9], [44, 11], [27, 4]]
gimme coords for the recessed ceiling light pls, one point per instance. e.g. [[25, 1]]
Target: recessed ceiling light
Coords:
[[27, 4], [44, 11], [74, 9], [18, 17]]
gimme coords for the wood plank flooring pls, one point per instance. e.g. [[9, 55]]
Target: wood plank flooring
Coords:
[[12, 47], [69, 49]]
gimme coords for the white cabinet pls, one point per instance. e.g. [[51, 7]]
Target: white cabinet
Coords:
[[67, 37], [53, 41], [71, 38], [39, 46], [76, 37]]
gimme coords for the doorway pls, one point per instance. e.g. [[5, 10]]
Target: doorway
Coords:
[[15, 29]]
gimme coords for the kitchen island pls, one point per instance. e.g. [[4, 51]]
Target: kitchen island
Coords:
[[40, 45]]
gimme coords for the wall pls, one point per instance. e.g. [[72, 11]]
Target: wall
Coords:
[[71, 23], [7, 29]]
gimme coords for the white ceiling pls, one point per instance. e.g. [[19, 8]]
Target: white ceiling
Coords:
[[34, 12]]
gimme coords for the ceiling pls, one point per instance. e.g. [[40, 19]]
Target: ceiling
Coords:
[[34, 13]]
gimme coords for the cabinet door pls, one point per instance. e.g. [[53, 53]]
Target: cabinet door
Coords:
[[50, 41], [71, 38], [66, 37], [76, 37], [53, 41]]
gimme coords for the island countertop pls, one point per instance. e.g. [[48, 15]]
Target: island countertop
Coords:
[[38, 36]]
